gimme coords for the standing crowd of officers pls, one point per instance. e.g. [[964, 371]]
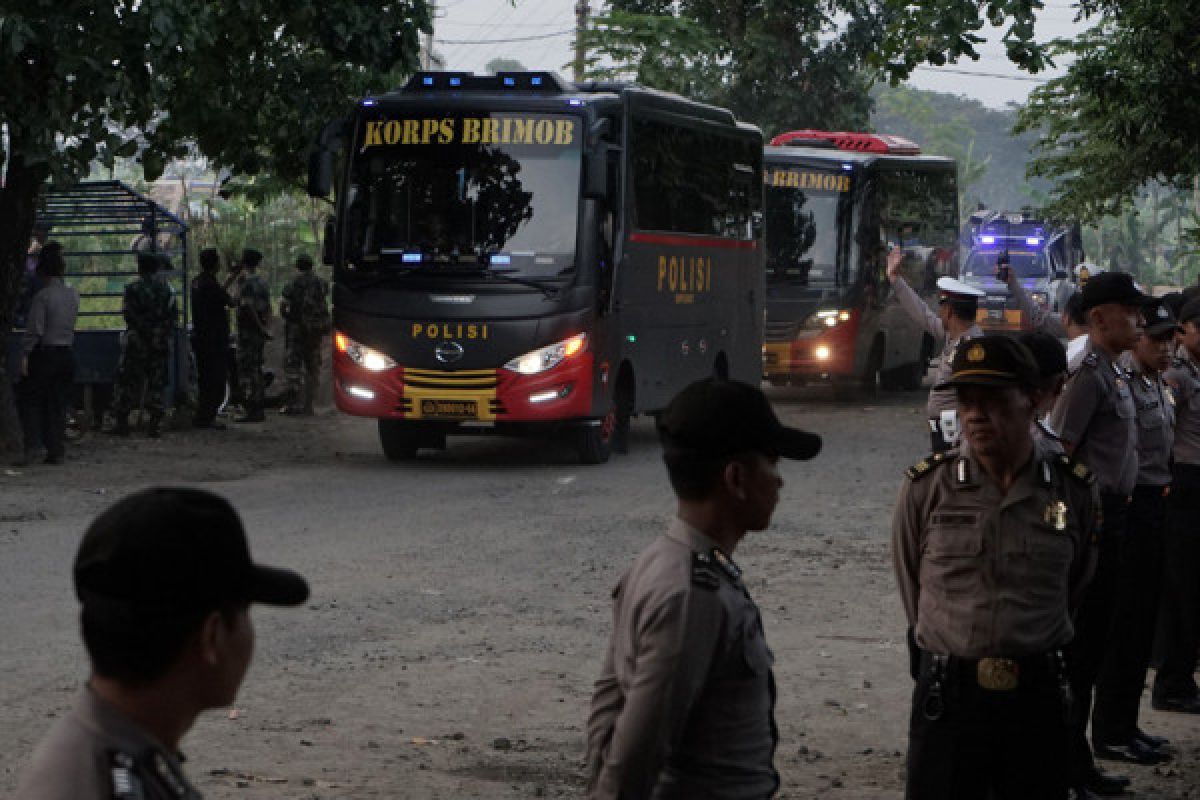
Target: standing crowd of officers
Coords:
[[151, 314], [1034, 556]]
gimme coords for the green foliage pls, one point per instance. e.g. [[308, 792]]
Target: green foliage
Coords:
[[780, 65], [1126, 112], [504, 65]]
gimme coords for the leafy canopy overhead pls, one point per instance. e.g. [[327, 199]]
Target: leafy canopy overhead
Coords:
[[249, 81], [1126, 112]]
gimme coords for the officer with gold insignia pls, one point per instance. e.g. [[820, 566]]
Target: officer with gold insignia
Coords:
[[1115, 731], [953, 323], [992, 551], [1096, 418], [684, 706], [166, 581]]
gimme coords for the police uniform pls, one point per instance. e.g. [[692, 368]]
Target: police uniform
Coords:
[[684, 706], [1175, 684], [1139, 578], [989, 581], [940, 408], [97, 753], [1096, 413]]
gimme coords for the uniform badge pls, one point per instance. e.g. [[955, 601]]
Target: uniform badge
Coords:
[[1056, 515], [976, 354]]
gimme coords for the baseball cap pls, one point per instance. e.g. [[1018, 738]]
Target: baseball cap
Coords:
[[1190, 311], [164, 551], [1111, 287], [991, 361], [714, 418], [1159, 319], [251, 257]]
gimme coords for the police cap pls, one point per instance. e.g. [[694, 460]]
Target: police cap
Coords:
[[992, 361], [164, 552], [1159, 319], [954, 289], [1111, 287], [714, 418]]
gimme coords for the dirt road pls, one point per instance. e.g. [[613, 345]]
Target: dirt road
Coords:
[[461, 604]]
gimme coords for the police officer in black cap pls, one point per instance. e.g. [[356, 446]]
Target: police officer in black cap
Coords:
[[684, 706], [992, 550], [166, 581], [1096, 418]]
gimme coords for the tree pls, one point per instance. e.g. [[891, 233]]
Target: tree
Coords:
[[1126, 110], [781, 65], [246, 83], [504, 65]]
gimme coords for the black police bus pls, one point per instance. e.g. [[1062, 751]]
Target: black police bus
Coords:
[[834, 203], [517, 254]]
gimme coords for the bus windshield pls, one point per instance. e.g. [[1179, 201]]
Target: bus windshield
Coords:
[[803, 208], [982, 264], [488, 190]]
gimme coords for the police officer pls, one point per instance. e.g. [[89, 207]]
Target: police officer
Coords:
[[1115, 731], [992, 553], [1096, 418], [304, 308], [953, 323], [253, 319], [166, 580], [150, 313], [210, 339], [1051, 359], [684, 706], [1175, 683]]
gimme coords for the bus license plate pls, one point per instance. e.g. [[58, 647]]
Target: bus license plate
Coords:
[[449, 409]]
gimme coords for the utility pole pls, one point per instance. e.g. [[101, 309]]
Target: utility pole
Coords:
[[427, 56], [581, 19]]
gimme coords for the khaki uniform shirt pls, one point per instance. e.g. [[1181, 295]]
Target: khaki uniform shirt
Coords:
[[1156, 423], [988, 574], [1096, 414], [96, 753], [1184, 378], [943, 399], [684, 707]]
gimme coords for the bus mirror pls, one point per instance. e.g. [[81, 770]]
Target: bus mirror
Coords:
[[595, 180], [327, 241], [320, 172]]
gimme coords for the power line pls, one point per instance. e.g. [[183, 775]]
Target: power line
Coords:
[[1029, 78], [507, 41]]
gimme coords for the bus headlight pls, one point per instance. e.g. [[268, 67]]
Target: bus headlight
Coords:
[[548, 357], [368, 358]]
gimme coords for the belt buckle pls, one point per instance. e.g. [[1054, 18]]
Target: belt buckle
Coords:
[[997, 674]]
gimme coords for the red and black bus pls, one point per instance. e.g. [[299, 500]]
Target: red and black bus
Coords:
[[834, 202], [517, 254]]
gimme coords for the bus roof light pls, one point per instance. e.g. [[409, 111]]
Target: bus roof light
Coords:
[[536, 80], [456, 81], [427, 80], [987, 239], [884, 143], [509, 81]]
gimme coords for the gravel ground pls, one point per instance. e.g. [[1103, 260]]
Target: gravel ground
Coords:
[[461, 605]]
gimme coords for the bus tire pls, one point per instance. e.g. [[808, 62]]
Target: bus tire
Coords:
[[593, 441], [400, 439]]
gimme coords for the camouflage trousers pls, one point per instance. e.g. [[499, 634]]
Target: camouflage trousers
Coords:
[[302, 365], [141, 379], [250, 370]]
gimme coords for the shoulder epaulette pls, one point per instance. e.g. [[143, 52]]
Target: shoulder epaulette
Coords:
[[705, 571], [925, 466], [1077, 469]]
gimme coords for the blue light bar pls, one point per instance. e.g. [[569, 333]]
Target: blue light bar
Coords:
[[456, 81], [510, 81], [1032, 241], [575, 101], [536, 80], [499, 259], [411, 258], [368, 102], [848, 167], [427, 80], [987, 239]]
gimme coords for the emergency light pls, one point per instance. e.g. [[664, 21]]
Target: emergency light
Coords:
[[885, 143], [542, 82]]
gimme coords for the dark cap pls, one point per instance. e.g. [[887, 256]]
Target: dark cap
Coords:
[[1047, 351], [251, 257], [1111, 287], [1190, 311], [714, 418], [173, 551], [1159, 319], [992, 361]]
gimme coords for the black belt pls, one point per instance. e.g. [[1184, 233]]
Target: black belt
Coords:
[[998, 674]]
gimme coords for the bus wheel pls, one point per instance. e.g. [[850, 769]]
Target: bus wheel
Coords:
[[400, 439], [593, 441]]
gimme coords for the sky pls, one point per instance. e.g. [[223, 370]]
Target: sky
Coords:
[[539, 34]]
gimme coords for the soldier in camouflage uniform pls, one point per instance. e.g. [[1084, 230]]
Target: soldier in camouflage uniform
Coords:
[[306, 315], [150, 312], [253, 316]]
